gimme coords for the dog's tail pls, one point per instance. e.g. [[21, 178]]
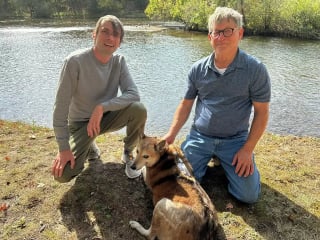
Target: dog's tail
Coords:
[[212, 230], [209, 229]]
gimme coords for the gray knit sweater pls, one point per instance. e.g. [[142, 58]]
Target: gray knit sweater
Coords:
[[84, 83]]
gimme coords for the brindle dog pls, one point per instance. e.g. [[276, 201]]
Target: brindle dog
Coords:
[[182, 209]]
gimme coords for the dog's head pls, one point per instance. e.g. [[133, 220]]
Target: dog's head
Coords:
[[149, 151]]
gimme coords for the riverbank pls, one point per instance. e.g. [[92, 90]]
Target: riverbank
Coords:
[[136, 25], [99, 203], [142, 24]]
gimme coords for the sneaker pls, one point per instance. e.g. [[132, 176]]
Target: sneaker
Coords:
[[128, 159], [94, 151]]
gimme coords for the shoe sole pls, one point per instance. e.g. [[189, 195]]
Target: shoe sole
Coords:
[[131, 176]]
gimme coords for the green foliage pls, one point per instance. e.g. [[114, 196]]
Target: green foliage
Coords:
[[192, 12], [6, 8], [70, 8], [299, 18], [43, 10], [160, 10], [195, 13], [260, 16]]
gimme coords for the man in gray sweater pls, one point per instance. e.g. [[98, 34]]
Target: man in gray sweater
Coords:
[[88, 104]]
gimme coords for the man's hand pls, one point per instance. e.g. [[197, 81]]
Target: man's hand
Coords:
[[60, 162], [169, 138], [243, 162], [93, 127]]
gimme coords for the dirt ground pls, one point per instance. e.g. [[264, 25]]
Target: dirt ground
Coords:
[[101, 201], [113, 200]]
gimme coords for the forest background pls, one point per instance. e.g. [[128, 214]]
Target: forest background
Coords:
[[284, 18]]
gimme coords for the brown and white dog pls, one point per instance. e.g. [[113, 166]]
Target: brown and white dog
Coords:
[[182, 209]]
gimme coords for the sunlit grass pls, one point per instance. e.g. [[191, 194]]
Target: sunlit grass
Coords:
[[289, 207]]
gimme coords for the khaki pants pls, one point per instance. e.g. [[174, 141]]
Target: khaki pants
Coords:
[[132, 117]]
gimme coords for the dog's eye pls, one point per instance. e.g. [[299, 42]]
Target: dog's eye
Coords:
[[145, 156]]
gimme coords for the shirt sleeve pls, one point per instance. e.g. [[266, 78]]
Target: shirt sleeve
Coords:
[[260, 87], [192, 91], [65, 89]]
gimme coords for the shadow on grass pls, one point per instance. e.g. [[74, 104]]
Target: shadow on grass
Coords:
[[103, 200], [274, 216]]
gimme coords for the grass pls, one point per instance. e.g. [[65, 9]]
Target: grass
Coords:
[[99, 203]]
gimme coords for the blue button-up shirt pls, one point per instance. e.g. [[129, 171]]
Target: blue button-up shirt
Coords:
[[224, 102]]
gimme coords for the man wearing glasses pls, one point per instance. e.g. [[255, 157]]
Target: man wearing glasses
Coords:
[[226, 86]]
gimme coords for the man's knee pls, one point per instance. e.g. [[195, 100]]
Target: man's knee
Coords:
[[249, 198], [68, 173], [247, 194], [137, 115], [139, 110], [63, 179]]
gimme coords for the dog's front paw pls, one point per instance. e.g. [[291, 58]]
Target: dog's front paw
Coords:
[[134, 224], [137, 226]]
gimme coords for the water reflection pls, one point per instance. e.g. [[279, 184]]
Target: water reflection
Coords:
[[31, 60], [296, 83]]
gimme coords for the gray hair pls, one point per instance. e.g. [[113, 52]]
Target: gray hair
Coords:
[[223, 13], [116, 25]]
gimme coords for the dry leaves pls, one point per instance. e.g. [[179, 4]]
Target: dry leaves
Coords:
[[4, 207]]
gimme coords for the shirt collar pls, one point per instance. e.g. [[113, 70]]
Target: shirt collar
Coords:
[[236, 63]]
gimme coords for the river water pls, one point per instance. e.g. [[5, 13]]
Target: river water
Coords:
[[31, 59]]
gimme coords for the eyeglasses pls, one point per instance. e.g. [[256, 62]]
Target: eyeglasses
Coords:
[[227, 32], [108, 33]]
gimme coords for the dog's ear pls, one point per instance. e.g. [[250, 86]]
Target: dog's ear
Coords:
[[160, 146]]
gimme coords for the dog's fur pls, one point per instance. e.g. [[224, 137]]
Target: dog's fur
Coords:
[[182, 209]]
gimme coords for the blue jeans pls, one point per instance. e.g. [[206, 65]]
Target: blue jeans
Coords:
[[199, 149]]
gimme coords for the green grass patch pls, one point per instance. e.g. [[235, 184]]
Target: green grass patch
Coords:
[[99, 203]]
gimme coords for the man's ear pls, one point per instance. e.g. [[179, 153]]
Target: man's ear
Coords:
[[241, 33], [94, 35]]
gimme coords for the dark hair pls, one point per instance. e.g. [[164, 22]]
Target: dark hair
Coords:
[[116, 24]]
